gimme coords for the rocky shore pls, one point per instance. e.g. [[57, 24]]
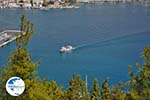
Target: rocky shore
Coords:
[[35, 5], [61, 4]]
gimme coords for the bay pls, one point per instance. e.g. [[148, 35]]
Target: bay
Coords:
[[109, 38]]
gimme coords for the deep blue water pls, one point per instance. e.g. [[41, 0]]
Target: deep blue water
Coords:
[[109, 37]]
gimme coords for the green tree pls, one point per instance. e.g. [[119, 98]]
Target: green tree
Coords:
[[27, 29], [31, 1], [85, 92], [74, 91], [53, 90], [77, 89], [106, 93], [140, 81], [45, 3], [117, 94], [21, 65], [95, 91]]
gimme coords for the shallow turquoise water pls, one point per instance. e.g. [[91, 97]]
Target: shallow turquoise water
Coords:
[[110, 37]]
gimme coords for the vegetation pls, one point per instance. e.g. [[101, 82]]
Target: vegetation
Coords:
[[45, 3], [106, 94], [20, 64], [95, 95], [31, 1], [70, 1]]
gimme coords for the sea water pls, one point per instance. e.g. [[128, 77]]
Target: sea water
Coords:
[[107, 38]]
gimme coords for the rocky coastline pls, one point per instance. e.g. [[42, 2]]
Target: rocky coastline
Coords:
[[61, 4], [36, 5]]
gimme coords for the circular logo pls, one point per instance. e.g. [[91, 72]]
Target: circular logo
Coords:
[[15, 86]]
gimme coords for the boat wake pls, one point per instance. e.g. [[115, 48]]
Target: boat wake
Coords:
[[113, 40]]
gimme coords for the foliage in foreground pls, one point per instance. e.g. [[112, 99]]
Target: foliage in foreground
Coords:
[[20, 64]]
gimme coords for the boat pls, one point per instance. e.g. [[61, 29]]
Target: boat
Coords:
[[67, 48], [44, 8]]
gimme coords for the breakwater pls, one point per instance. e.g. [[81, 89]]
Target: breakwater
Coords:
[[8, 36]]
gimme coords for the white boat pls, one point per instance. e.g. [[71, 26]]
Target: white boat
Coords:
[[44, 8], [66, 49]]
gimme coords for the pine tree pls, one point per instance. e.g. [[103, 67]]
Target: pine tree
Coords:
[[95, 91], [106, 93], [31, 2], [140, 82], [53, 90], [74, 91], [27, 29], [85, 92], [77, 89], [117, 94], [21, 65]]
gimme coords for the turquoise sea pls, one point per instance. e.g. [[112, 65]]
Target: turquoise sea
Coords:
[[108, 37]]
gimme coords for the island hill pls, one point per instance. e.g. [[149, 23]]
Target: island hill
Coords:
[[37, 4]]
